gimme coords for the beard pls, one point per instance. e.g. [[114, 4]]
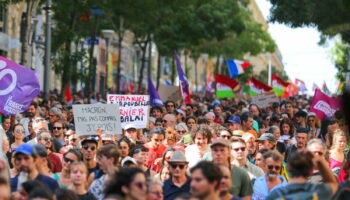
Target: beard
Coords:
[[271, 175]]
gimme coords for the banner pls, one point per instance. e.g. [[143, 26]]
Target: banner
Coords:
[[265, 100], [18, 87], [133, 109], [170, 93], [90, 117], [323, 105]]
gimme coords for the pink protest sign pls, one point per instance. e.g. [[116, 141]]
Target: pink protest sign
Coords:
[[323, 105], [18, 87]]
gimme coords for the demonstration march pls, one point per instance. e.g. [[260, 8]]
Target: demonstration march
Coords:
[[218, 116]]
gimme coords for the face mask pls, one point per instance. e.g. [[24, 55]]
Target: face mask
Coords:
[[271, 176]]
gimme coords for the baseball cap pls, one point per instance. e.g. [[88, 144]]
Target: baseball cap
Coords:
[[25, 148], [220, 141], [89, 139], [180, 111], [128, 159], [267, 136], [234, 119], [39, 150], [129, 126]]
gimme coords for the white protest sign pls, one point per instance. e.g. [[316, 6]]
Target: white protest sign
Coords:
[[171, 93], [90, 117], [133, 109], [265, 100]]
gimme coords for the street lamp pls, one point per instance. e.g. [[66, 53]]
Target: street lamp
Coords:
[[107, 34]]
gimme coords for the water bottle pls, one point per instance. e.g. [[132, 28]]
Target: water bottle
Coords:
[[22, 177]]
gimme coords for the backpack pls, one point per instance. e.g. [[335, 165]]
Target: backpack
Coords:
[[307, 192]]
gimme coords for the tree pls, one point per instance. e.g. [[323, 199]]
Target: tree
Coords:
[[26, 25], [330, 17], [340, 56]]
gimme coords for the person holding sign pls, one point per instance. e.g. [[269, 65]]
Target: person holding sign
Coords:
[[155, 148]]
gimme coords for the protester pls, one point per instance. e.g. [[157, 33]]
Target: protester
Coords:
[[265, 184], [240, 158], [154, 190], [300, 166], [63, 178], [301, 137], [205, 183], [201, 136], [78, 177], [155, 148], [178, 182], [25, 158], [128, 183], [107, 159]]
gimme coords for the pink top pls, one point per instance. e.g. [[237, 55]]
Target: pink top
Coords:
[[334, 163]]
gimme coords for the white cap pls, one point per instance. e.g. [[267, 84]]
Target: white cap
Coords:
[[129, 126], [126, 159]]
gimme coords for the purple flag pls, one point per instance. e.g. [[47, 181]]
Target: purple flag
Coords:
[[323, 105], [154, 96], [18, 87], [185, 88]]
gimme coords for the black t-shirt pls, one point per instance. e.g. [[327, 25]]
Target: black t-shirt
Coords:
[[87, 196], [281, 147]]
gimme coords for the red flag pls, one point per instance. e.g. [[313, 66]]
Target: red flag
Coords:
[[323, 105], [226, 81], [257, 87], [68, 94]]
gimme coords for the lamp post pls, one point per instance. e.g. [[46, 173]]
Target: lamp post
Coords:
[[47, 68], [204, 60], [107, 34]]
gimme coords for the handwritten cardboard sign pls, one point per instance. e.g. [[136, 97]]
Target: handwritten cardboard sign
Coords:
[[171, 93], [265, 100], [90, 117], [133, 109]]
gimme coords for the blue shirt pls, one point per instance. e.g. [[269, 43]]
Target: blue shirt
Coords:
[[171, 191], [261, 189], [47, 181]]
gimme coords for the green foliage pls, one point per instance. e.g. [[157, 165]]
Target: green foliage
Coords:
[[340, 56]]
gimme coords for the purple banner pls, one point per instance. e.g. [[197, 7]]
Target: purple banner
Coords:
[[18, 87]]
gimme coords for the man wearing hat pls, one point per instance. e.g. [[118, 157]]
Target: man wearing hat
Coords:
[[266, 141], [234, 123], [89, 148], [301, 137], [178, 183], [130, 133], [25, 158]]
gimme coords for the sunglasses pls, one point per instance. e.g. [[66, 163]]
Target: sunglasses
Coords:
[[68, 160], [174, 166], [140, 185], [164, 121], [86, 147], [170, 105], [270, 167], [73, 139], [45, 138], [56, 128], [226, 136], [181, 132], [237, 149], [20, 131]]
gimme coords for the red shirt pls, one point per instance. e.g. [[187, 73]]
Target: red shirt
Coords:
[[153, 154]]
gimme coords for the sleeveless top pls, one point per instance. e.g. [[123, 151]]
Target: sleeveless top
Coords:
[[57, 178]]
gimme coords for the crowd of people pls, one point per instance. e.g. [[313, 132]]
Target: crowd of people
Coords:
[[211, 149]]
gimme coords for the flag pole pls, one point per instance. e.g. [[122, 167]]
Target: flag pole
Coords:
[[269, 73]]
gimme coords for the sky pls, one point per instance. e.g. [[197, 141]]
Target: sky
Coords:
[[303, 58]]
